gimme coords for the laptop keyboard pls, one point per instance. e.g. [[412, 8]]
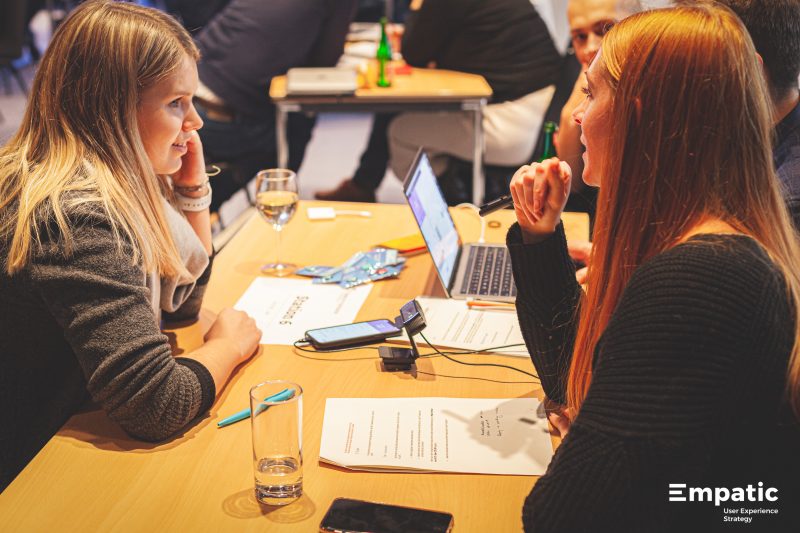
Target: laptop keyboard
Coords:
[[488, 272]]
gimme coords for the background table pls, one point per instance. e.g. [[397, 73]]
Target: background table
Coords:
[[421, 90], [93, 477]]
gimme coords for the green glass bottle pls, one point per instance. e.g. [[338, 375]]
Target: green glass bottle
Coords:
[[384, 56], [549, 147]]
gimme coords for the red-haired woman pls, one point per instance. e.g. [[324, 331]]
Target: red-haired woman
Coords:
[[679, 365]]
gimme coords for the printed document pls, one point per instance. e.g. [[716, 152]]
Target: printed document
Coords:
[[450, 323], [285, 309], [468, 435]]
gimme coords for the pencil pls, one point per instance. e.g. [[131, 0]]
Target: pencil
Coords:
[[490, 306], [283, 395]]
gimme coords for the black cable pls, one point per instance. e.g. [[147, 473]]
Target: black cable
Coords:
[[302, 349], [446, 356], [478, 379], [436, 353]]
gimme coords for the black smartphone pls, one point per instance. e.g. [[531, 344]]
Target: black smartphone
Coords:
[[351, 334], [356, 516]]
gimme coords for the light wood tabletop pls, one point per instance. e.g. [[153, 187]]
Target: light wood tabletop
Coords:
[[429, 85], [93, 477]]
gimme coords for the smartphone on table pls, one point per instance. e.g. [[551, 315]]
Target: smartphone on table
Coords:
[[350, 335], [357, 516]]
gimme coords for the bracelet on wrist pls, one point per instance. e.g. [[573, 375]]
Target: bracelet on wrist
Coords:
[[180, 189], [186, 203]]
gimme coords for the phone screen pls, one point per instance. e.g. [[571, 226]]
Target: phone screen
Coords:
[[350, 333], [347, 515]]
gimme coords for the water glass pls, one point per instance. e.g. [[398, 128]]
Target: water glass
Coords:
[[276, 416]]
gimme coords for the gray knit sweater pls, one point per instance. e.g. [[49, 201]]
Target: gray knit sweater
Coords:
[[86, 326]]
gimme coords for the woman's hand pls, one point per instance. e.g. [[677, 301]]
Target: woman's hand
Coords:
[[237, 330], [232, 339], [580, 251], [559, 416], [540, 192], [193, 169]]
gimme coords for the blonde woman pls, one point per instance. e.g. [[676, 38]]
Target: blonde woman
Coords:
[[104, 224], [680, 364]]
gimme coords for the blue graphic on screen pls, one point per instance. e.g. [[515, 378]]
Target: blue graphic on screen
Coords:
[[437, 227], [353, 331]]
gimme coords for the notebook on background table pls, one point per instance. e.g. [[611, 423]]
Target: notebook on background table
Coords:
[[472, 270]]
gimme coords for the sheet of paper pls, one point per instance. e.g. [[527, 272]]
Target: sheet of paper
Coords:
[[285, 309], [468, 435], [452, 324]]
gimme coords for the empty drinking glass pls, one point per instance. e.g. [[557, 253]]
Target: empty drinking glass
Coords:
[[277, 416]]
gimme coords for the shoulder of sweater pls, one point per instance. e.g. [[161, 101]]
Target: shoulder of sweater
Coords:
[[721, 260], [727, 282]]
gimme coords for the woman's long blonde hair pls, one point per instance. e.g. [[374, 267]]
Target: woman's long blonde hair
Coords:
[[689, 139], [79, 140]]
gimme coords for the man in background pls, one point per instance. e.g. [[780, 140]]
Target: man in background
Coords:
[[245, 45], [774, 26], [589, 20], [505, 41]]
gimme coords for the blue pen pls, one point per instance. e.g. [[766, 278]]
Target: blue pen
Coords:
[[282, 396]]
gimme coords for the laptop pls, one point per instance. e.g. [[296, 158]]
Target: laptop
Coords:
[[481, 271], [304, 81]]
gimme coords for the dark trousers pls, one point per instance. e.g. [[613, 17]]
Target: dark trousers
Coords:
[[375, 158], [244, 145]]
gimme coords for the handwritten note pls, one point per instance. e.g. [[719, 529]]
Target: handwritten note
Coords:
[[469, 435]]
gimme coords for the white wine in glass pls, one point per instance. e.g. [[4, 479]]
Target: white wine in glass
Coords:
[[276, 200]]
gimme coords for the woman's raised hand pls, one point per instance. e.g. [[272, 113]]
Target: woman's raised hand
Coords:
[[540, 192], [193, 169]]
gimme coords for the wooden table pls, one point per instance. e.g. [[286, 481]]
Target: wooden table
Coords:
[[92, 477], [421, 90]]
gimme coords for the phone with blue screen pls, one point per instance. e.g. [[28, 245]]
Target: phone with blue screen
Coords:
[[351, 335]]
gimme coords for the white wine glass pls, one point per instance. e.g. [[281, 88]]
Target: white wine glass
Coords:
[[276, 200]]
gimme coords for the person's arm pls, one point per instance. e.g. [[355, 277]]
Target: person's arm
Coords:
[[329, 43], [547, 292], [669, 375], [428, 29], [103, 307], [191, 175], [547, 299]]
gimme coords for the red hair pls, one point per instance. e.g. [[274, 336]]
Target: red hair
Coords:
[[690, 141]]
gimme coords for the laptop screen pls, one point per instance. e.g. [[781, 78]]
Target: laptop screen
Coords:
[[430, 209]]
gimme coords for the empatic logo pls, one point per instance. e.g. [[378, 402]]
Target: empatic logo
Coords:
[[678, 492]]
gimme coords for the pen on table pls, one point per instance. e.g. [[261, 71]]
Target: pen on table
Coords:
[[282, 396], [494, 205], [480, 305]]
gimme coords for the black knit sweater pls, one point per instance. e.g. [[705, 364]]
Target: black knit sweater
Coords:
[[687, 387]]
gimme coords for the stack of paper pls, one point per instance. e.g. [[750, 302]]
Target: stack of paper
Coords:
[[450, 323], [468, 435]]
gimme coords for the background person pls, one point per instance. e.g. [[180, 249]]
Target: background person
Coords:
[[243, 47], [505, 41], [103, 224], [588, 21], [687, 337], [774, 26]]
